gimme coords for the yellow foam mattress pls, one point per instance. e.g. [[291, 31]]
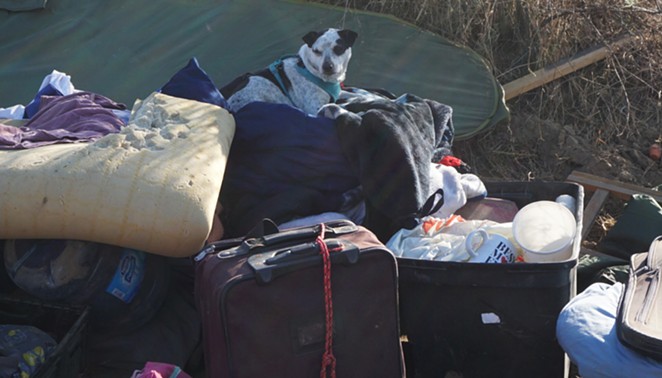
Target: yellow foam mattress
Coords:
[[152, 187]]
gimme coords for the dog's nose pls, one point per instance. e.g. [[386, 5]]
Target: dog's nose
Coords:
[[327, 67]]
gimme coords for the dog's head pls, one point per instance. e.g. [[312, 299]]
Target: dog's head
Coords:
[[326, 54]]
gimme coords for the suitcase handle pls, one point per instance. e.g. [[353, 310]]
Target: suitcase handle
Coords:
[[255, 244], [271, 264], [333, 228]]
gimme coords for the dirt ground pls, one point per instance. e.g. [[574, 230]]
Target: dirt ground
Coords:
[[545, 150]]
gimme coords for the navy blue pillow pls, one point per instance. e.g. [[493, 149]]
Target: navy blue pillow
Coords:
[[193, 83], [33, 107]]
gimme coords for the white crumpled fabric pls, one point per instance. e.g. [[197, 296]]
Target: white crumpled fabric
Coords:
[[59, 80], [457, 187], [441, 239]]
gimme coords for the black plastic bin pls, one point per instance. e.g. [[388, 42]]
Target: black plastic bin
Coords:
[[66, 324], [489, 320]]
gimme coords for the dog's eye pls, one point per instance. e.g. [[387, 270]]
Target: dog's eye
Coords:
[[317, 52], [339, 49]]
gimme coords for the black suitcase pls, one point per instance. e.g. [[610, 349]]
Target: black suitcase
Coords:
[[275, 306]]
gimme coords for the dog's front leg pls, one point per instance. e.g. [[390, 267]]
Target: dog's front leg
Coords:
[[331, 110]]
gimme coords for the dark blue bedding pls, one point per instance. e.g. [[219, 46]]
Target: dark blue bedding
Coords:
[[283, 164]]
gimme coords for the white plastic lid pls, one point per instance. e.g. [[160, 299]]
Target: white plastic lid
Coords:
[[544, 227]]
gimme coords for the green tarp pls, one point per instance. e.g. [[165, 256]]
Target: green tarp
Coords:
[[22, 5], [127, 49]]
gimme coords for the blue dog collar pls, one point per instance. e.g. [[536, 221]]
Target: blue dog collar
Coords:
[[333, 89]]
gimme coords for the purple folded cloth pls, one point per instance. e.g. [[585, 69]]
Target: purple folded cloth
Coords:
[[79, 117]]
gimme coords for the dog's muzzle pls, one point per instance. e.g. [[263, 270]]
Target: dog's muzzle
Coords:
[[328, 67]]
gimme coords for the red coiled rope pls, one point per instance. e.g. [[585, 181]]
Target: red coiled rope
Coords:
[[328, 359]]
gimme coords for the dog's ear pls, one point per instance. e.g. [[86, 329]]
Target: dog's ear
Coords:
[[348, 37], [310, 38]]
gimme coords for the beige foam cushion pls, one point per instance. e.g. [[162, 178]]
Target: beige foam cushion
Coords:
[[152, 187]]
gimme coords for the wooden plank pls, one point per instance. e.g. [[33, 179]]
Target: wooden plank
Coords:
[[592, 210], [618, 189], [560, 69], [602, 189], [593, 252]]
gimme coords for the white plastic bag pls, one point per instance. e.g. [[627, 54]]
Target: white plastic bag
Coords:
[[438, 239]]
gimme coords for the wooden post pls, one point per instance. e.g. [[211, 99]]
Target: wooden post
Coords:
[[560, 69], [602, 189]]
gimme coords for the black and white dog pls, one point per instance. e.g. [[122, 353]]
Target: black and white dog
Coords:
[[306, 81]]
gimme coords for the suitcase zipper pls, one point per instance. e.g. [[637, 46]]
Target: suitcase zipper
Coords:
[[224, 253], [205, 251], [644, 313]]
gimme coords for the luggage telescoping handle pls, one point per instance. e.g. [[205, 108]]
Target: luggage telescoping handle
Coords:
[[271, 264], [255, 244], [301, 234]]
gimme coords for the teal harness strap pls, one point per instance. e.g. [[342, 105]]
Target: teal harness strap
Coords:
[[332, 89], [273, 68]]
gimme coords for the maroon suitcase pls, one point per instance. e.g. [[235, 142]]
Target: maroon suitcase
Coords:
[[266, 310]]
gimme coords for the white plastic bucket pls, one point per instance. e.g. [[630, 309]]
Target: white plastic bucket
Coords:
[[545, 230]]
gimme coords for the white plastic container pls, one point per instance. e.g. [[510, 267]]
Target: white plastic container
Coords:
[[545, 230]]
